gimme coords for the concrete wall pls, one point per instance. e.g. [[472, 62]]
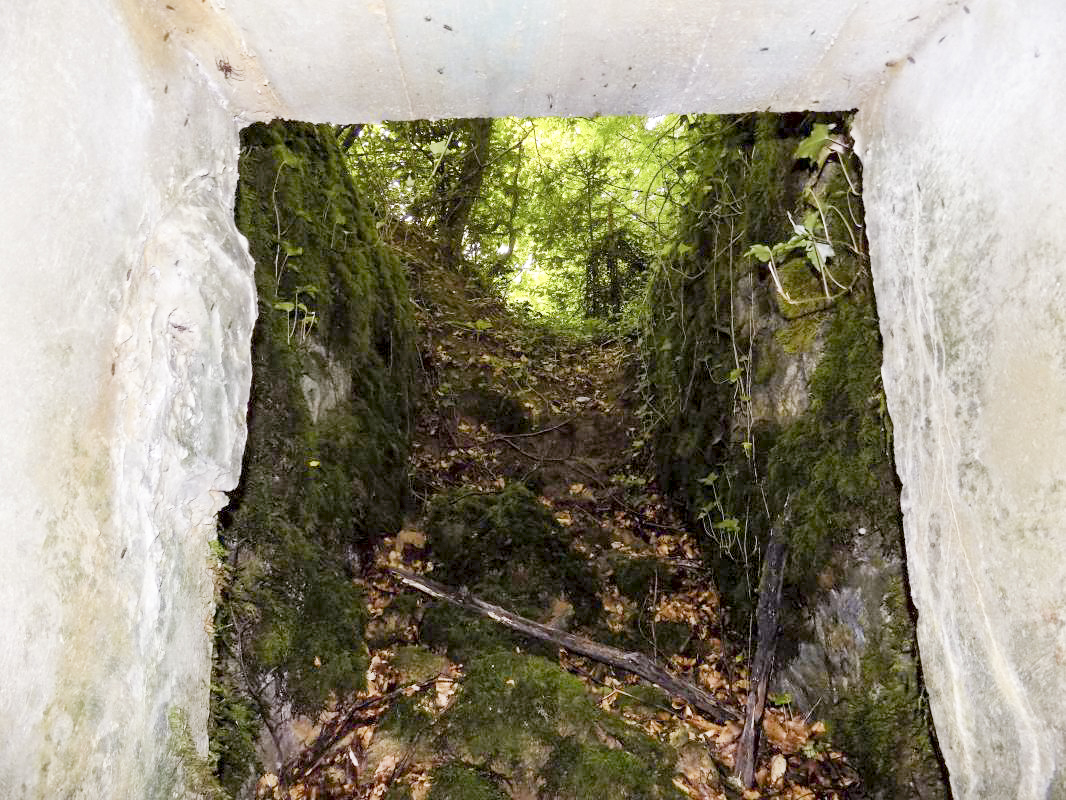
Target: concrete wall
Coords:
[[965, 168], [124, 355], [129, 307]]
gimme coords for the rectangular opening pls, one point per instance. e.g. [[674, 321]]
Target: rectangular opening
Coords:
[[585, 370]]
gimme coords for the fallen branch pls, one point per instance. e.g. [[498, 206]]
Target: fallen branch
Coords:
[[539, 459], [635, 663], [531, 434], [331, 733], [767, 617]]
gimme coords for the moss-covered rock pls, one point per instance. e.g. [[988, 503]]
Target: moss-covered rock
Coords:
[[639, 577], [766, 379], [415, 664], [329, 419], [580, 771], [508, 549], [525, 718], [458, 781]]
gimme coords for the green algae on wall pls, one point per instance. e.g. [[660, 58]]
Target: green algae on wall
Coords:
[[329, 422], [756, 397]]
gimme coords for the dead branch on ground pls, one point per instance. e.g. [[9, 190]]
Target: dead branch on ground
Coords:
[[635, 663]]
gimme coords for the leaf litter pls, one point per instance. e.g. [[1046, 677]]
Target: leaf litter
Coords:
[[584, 448]]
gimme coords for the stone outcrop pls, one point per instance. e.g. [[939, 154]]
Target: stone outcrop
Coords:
[[766, 386], [126, 356], [325, 472]]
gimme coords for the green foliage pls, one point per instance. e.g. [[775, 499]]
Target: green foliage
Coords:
[[510, 705], [196, 771], [835, 461], [233, 724], [697, 363], [406, 720], [464, 636], [561, 214], [582, 771], [526, 715], [887, 728], [320, 484]]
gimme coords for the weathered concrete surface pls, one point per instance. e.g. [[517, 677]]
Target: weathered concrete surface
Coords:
[[965, 167], [397, 59], [125, 361], [117, 249]]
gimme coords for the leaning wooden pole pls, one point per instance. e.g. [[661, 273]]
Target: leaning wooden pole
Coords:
[[768, 620]]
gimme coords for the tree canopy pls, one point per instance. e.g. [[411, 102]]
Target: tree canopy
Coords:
[[561, 214]]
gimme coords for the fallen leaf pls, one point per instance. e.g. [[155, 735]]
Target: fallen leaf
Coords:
[[730, 731], [411, 537], [778, 765]]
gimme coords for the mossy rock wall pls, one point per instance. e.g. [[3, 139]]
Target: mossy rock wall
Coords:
[[324, 473], [763, 381]]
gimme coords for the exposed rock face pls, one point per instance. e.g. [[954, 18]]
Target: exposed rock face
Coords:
[[967, 234], [802, 416], [325, 472]]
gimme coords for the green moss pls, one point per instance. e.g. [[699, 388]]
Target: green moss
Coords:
[[508, 548], [233, 724], [416, 664], [458, 781], [886, 727], [638, 578], [803, 287], [800, 334], [526, 717], [319, 484], [195, 769], [407, 720], [670, 638], [693, 378], [834, 462], [578, 771], [398, 791], [464, 635], [512, 705]]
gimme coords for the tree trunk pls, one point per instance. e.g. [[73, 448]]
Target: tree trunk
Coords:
[[457, 200]]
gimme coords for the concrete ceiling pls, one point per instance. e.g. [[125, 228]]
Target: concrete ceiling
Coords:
[[341, 61]]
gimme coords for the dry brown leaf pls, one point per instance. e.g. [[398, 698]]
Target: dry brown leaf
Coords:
[[701, 723], [411, 537], [778, 765], [730, 731], [774, 730]]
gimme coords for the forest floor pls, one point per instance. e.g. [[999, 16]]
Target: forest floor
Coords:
[[507, 402]]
